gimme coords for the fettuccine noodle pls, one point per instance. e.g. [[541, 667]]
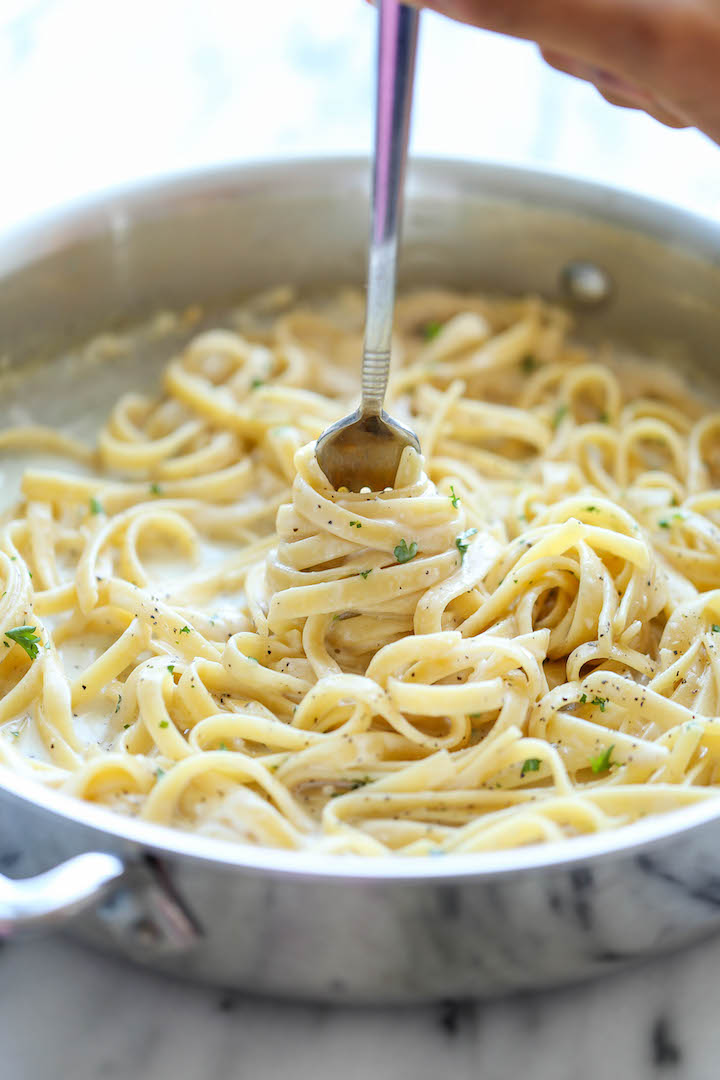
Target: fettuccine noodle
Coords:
[[519, 642]]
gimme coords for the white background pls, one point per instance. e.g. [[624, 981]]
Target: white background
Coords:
[[98, 92]]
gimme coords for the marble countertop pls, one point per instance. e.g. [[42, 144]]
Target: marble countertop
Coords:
[[95, 94], [68, 1013]]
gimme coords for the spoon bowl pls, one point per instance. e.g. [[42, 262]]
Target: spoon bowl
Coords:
[[364, 451]]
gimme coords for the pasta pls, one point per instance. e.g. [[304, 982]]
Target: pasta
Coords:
[[517, 643]]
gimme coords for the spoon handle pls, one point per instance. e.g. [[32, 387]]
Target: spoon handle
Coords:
[[397, 39]]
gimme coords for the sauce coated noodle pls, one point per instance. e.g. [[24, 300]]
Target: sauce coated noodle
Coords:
[[520, 642]]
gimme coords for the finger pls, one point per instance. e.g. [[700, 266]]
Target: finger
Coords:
[[654, 109], [639, 35], [600, 77], [615, 89]]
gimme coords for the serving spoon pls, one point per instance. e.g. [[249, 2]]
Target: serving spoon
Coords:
[[364, 449]]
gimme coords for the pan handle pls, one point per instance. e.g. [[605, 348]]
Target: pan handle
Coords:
[[135, 902], [54, 897]]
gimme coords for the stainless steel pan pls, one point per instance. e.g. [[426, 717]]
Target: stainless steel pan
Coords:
[[342, 927]]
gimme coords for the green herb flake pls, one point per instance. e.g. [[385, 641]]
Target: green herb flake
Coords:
[[356, 524], [529, 364], [454, 499], [95, 506], [404, 552], [601, 701], [461, 541], [184, 630], [353, 785], [431, 330], [593, 509], [160, 773], [119, 703], [222, 746], [125, 727], [171, 668], [603, 418], [155, 489], [583, 699], [664, 524], [365, 573], [164, 724], [256, 383], [531, 764], [26, 638], [560, 414], [602, 762], [715, 628]]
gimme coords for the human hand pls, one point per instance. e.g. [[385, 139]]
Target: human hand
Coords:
[[662, 56]]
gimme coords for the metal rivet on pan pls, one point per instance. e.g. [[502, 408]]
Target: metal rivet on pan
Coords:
[[585, 283]]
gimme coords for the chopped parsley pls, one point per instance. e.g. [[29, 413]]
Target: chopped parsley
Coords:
[[715, 628], [432, 329], [461, 541], [560, 414], [95, 506], [404, 552], [155, 489], [531, 764], [353, 785], [119, 703], [222, 746], [365, 573], [184, 630], [593, 509], [26, 638], [171, 668], [356, 524], [164, 723], [256, 383], [602, 762], [453, 497], [664, 524], [529, 364], [125, 727], [601, 701], [160, 773]]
